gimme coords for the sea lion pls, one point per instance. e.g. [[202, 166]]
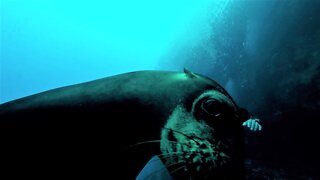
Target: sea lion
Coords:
[[112, 126]]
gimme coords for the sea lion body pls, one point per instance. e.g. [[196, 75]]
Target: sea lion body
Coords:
[[90, 129]]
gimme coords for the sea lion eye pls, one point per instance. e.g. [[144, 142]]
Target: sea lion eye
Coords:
[[212, 107], [209, 108]]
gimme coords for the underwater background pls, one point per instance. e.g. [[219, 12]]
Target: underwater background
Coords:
[[266, 53]]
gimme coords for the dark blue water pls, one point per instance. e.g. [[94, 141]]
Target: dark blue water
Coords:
[[266, 53]]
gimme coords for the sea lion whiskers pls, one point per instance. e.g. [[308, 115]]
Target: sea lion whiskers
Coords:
[[177, 169], [152, 141], [145, 142], [170, 154], [190, 137]]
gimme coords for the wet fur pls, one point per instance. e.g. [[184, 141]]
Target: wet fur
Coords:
[[113, 126]]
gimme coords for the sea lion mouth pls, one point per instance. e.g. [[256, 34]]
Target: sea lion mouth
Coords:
[[195, 157]]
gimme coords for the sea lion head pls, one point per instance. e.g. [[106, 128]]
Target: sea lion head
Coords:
[[202, 141]]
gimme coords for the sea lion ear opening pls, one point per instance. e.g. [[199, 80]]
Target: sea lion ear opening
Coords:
[[189, 73]]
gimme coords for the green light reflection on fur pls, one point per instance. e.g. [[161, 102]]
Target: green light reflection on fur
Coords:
[[197, 143]]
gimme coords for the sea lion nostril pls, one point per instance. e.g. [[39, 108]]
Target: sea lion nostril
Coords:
[[203, 146]]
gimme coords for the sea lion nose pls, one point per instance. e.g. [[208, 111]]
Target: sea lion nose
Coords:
[[203, 145]]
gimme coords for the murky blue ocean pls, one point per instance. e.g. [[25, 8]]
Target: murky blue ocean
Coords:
[[266, 53]]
